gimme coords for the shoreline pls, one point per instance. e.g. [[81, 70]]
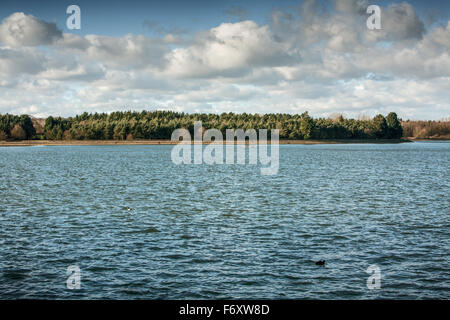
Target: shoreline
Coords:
[[29, 143]]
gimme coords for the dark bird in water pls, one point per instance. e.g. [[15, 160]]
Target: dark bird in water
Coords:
[[320, 263], [129, 209]]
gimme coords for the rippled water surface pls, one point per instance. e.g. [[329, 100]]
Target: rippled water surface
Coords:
[[225, 231]]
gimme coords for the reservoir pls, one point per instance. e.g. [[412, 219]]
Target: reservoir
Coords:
[[139, 226]]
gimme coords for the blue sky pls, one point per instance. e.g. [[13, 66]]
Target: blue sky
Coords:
[[220, 56], [119, 17]]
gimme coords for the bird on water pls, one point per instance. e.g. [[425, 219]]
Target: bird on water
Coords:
[[320, 263]]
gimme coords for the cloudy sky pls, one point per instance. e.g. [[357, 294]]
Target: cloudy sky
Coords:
[[255, 56]]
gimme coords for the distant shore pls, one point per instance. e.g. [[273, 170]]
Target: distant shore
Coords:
[[24, 143]]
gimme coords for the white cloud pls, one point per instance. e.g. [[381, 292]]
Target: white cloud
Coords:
[[399, 21], [316, 59], [128, 52], [15, 62], [229, 50], [20, 29], [77, 73]]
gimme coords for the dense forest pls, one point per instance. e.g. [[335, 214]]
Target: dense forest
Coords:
[[160, 125], [16, 127]]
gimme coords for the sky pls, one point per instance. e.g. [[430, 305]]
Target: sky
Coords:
[[286, 56]]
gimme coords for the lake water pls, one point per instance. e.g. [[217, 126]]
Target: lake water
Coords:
[[225, 231]]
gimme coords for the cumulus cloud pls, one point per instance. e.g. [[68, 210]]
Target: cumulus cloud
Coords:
[[319, 58], [17, 62], [20, 29], [229, 50], [78, 73], [400, 22], [73, 41], [126, 52], [351, 6]]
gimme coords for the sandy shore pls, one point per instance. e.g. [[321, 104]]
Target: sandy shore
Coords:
[[24, 143]]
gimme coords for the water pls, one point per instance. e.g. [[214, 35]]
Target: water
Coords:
[[225, 231]]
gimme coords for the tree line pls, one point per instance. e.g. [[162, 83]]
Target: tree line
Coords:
[[16, 127], [160, 125], [427, 129]]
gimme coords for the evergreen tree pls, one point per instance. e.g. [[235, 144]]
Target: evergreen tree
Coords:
[[380, 127], [395, 130]]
